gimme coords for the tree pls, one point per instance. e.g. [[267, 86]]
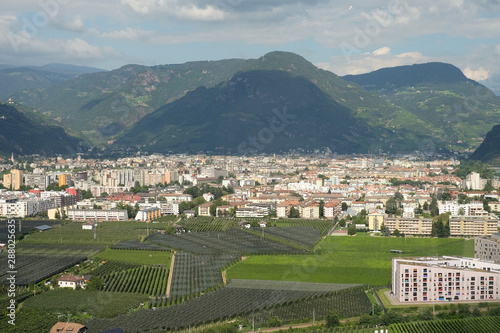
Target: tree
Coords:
[[294, 212], [446, 196], [332, 320], [399, 197], [488, 187], [384, 230], [274, 322], [344, 206], [461, 211], [95, 284], [321, 208], [86, 194], [352, 230], [434, 207], [396, 233], [425, 206], [391, 206]]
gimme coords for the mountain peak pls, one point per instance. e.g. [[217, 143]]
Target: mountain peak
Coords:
[[411, 75]]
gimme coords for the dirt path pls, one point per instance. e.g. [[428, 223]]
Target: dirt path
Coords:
[[321, 322], [169, 283]]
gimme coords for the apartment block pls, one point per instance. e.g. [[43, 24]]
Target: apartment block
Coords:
[[487, 248], [446, 279], [97, 214]]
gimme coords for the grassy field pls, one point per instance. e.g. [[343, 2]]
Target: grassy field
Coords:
[[364, 260], [108, 233], [137, 257]]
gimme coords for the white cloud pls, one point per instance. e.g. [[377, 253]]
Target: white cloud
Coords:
[[382, 51], [479, 74]]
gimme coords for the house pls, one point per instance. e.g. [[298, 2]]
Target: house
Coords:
[[204, 209], [61, 327], [71, 281], [189, 213], [89, 225], [262, 224]]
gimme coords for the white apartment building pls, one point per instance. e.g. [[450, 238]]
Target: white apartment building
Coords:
[[444, 279], [97, 214], [474, 208]]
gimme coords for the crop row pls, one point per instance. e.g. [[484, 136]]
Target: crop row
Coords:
[[348, 303], [206, 223], [135, 244], [233, 241], [34, 268], [483, 325], [306, 236], [148, 280], [221, 304], [322, 226], [194, 274], [111, 267]]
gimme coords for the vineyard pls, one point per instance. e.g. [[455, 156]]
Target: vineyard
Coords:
[[233, 241], [206, 223], [58, 249], [483, 325], [148, 280], [348, 303], [306, 236], [221, 304], [112, 267], [35, 268], [320, 225], [193, 274], [22, 227], [135, 244]]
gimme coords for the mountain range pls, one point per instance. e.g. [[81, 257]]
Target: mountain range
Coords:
[[279, 102]]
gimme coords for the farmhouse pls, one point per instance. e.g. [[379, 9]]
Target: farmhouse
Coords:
[[434, 279], [62, 327], [71, 281]]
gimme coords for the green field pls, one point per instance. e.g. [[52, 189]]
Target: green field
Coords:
[[108, 233], [363, 260], [137, 257], [98, 304]]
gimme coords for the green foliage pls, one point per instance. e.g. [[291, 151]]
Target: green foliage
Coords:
[[142, 257], [294, 213], [466, 167], [95, 303], [332, 320], [274, 322], [364, 260]]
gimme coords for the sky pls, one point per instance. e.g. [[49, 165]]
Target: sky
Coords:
[[343, 36]]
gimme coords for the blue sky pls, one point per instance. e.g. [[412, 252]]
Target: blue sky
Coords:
[[344, 36]]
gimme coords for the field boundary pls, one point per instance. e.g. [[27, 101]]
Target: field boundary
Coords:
[[169, 283]]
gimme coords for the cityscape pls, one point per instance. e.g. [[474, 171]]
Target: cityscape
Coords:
[[226, 166]]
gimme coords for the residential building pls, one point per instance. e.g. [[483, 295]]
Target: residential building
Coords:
[[446, 279], [148, 214], [97, 214], [473, 226], [71, 281], [13, 180], [487, 248], [204, 209], [62, 327]]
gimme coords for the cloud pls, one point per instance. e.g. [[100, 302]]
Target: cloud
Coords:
[[479, 74], [364, 63], [382, 51], [73, 25]]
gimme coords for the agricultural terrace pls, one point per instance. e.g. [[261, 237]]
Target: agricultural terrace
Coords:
[[142, 257], [108, 233], [150, 280], [95, 303], [224, 303], [322, 225], [193, 274], [233, 241], [483, 325], [23, 226], [34, 268], [58, 249], [363, 260], [206, 223]]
